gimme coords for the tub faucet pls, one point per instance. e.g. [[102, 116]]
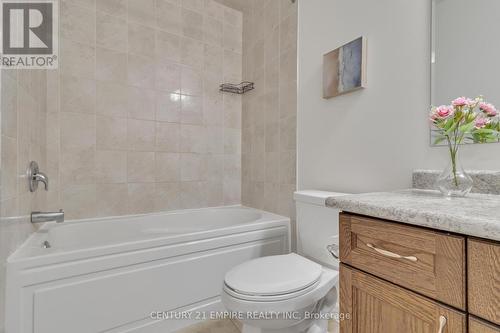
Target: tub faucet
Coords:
[[35, 177], [40, 217]]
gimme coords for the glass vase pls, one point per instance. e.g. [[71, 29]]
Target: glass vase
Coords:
[[454, 181]]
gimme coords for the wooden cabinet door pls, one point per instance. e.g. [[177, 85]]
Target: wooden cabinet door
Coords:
[[484, 279], [479, 326], [377, 306]]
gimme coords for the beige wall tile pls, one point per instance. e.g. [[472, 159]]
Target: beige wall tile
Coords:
[[193, 194], [271, 197], [272, 162], [169, 16], [167, 196], [167, 167], [141, 167], [288, 133], [111, 65], [232, 141], [79, 201], [193, 139], [142, 11], [9, 106], [115, 7], [112, 99], [78, 95], [140, 71], [77, 59], [9, 168], [141, 135], [77, 166], [198, 5], [213, 63], [215, 167], [213, 112], [192, 110], [111, 166], [233, 38], [191, 26], [111, 133], [168, 107], [141, 198], [212, 31], [191, 82], [111, 199], [288, 167], [232, 111], [111, 31], [168, 77], [214, 9], [168, 137], [215, 193], [141, 40], [78, 131], [234, 17], [141, 103], [192, 52], [77, 23], [215, 140], [168, 46], [193, 167]]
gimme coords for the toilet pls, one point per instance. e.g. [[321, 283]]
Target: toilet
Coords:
[[296, 292]]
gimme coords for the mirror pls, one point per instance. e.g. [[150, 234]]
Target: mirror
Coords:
[[465, 58]]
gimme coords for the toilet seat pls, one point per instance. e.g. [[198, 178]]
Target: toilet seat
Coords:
[[295, 301], [270, 298], [273, 276]]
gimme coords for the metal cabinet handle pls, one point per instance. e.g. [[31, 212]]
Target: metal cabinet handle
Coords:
[[391, 254], [442, 323]]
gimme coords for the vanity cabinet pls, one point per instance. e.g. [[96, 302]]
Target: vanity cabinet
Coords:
[[484, 279], [479, 326], [400, 278], [377, 306]]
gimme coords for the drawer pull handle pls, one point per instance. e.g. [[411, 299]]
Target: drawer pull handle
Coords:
[[442, 323], [391, 254]]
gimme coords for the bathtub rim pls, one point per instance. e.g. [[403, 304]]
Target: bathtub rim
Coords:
[[22, 257]]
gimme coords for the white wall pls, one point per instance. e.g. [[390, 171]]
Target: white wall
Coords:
[[371, 139], [474, 70]]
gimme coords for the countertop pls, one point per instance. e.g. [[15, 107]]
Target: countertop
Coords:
[[475, 215]]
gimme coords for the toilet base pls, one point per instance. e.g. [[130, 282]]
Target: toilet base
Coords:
[[295, 329]]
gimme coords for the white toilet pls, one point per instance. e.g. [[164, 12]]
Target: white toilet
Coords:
[[291, 293]]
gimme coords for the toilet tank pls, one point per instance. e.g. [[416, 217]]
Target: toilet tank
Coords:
[[317, 226]]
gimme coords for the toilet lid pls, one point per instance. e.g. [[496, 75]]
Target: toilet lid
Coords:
[[273, 275]]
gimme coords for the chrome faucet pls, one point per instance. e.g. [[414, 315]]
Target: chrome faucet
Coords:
[[40, 217], [35, 177]]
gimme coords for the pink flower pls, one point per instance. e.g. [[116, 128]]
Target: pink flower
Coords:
[[488, 109], [481, 123], [442, 112], [461, 101]]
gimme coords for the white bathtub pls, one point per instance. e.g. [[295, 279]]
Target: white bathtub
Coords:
[[109, 275]]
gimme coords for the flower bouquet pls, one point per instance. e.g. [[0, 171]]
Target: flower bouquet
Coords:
[[464, 121]]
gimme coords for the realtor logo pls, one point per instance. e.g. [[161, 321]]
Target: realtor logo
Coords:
[[29, 34]]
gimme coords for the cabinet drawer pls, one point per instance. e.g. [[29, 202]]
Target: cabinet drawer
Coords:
[[484, 279], [479, 326], [429, 262], [377, 306]]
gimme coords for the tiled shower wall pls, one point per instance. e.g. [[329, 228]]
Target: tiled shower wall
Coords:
[[269, 112], [135, 121], [23, 114]]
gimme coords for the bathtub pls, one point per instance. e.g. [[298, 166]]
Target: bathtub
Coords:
[[133, 273]]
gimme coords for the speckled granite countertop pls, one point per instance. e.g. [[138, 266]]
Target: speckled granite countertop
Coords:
[[475, 215]]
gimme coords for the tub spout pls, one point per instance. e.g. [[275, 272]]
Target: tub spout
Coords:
[[40, 217]]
